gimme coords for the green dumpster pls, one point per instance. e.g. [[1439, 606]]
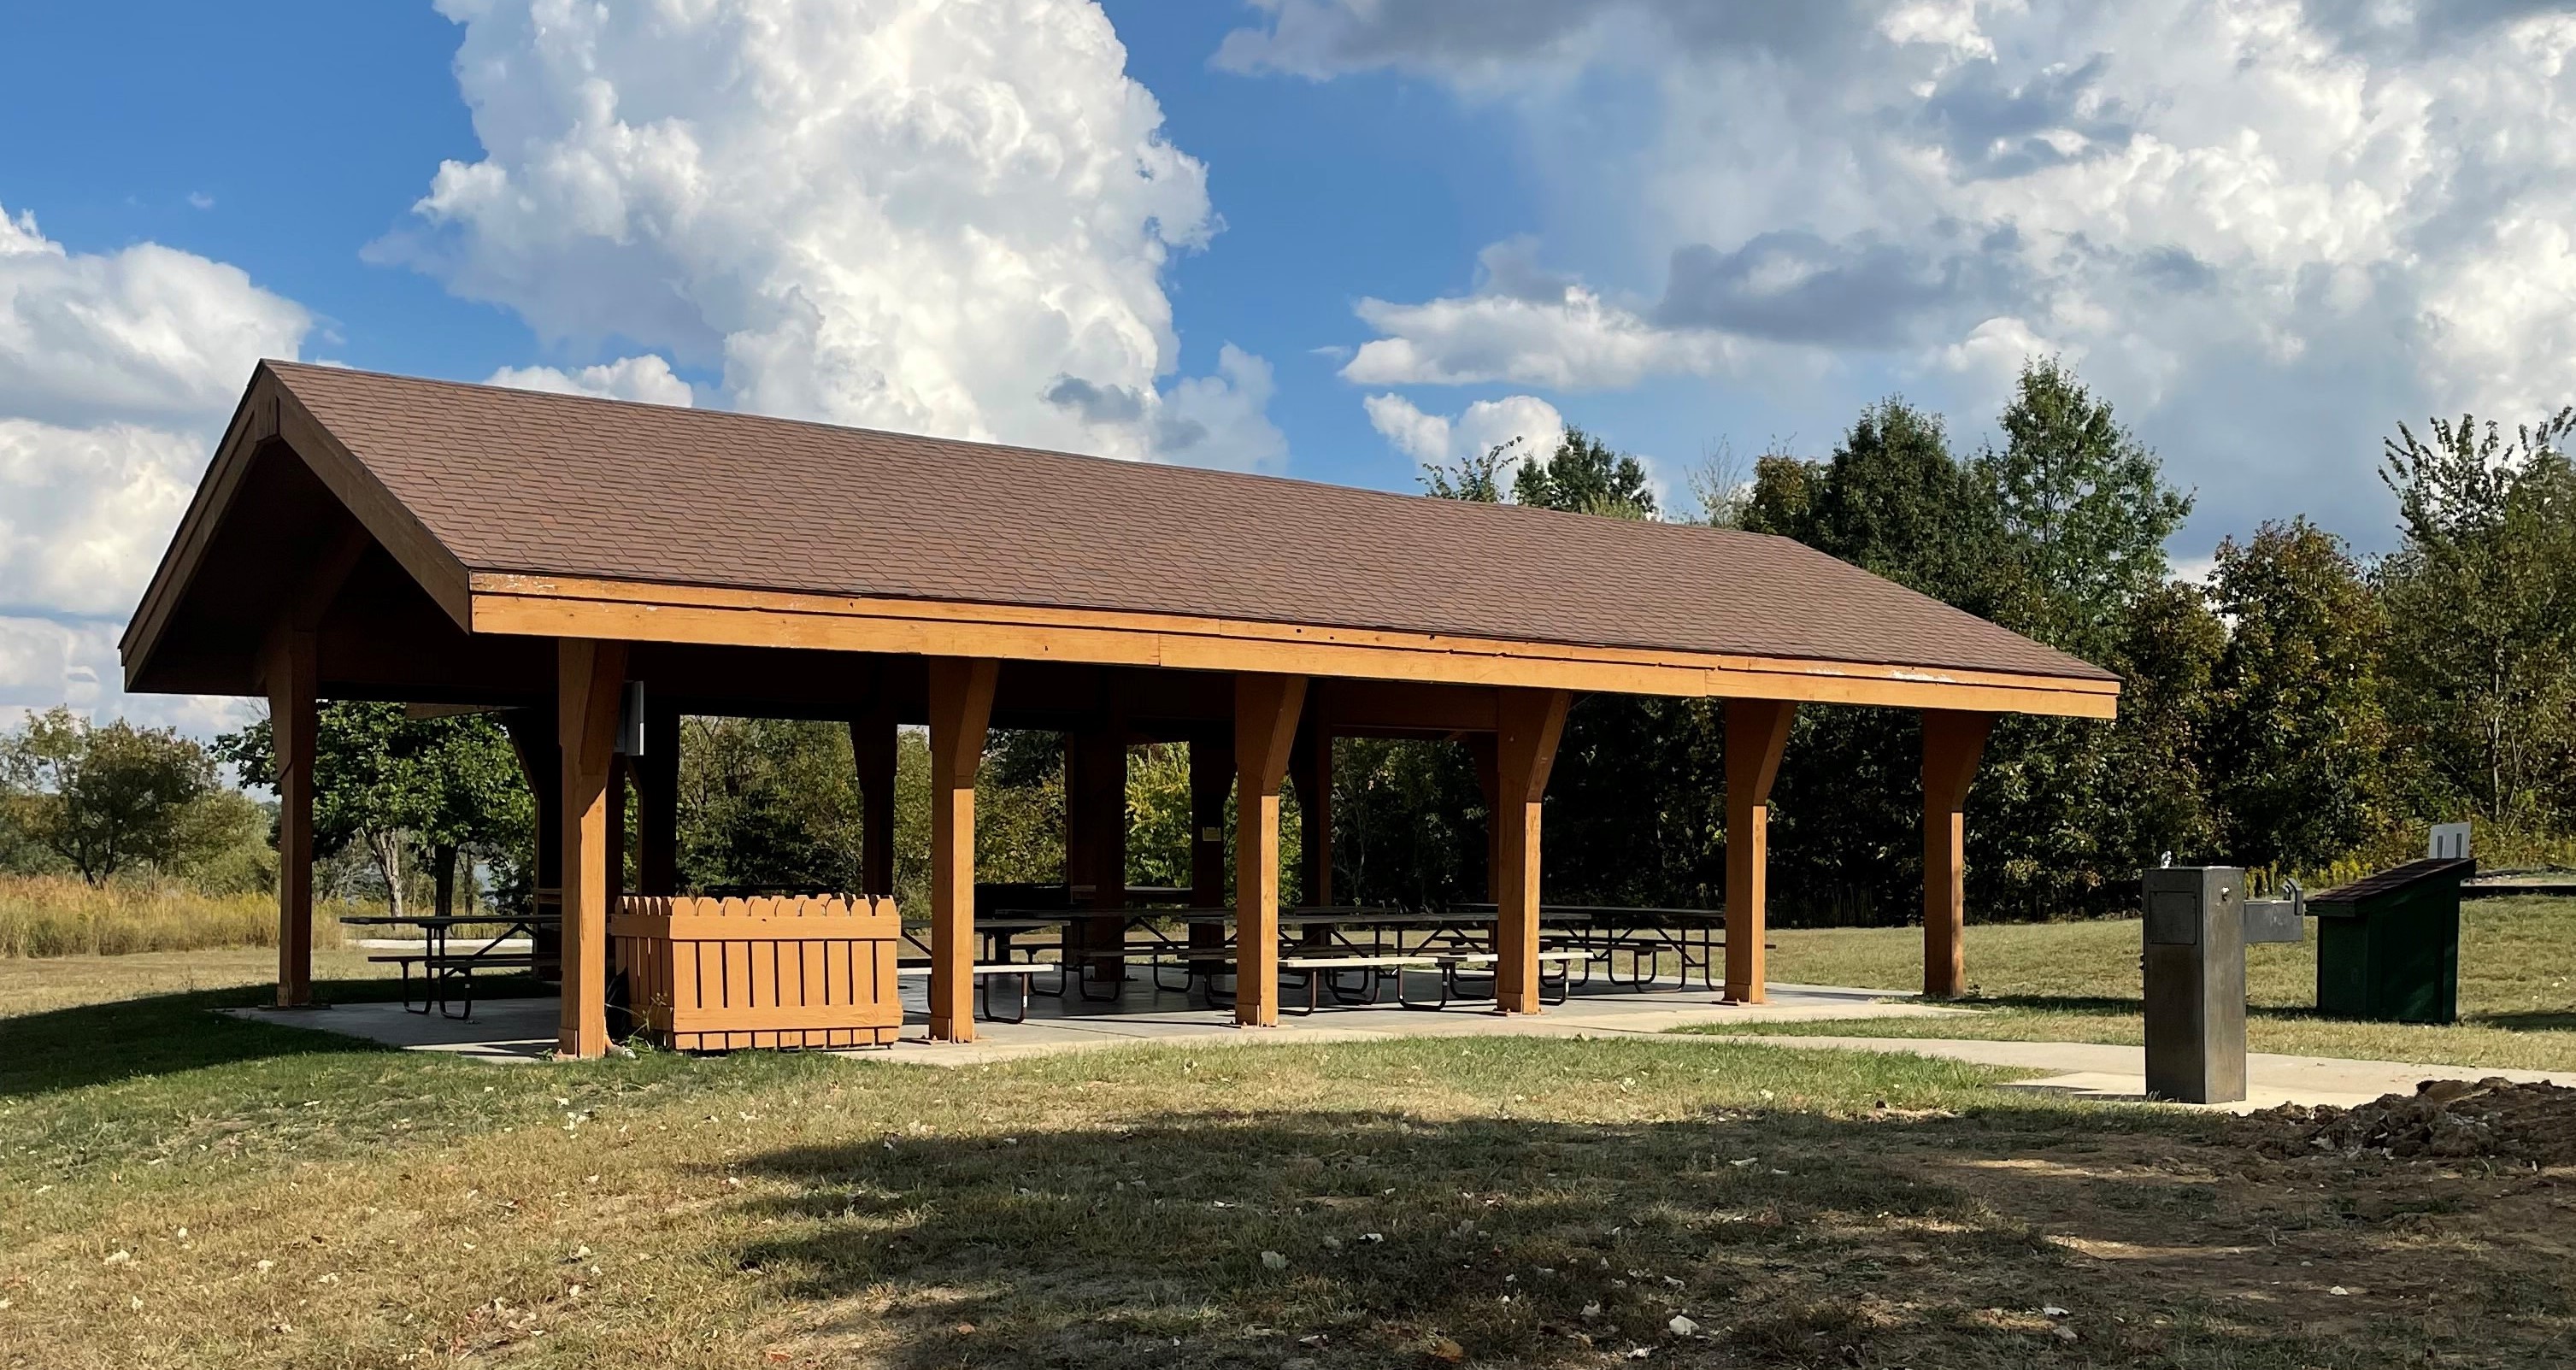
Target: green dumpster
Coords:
[[2388, 947]]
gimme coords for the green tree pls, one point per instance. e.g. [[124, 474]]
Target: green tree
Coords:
[[1895, 502], [2069, 809], [769, 804], [2481, 601], [2085, 506], [103, 797], [1476, 478], [1158, 815], [385, 780], [2299, 735], [1584, 476]]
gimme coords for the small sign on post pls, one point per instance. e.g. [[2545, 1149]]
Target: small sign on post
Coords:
[[630, 719], [2450, 843]]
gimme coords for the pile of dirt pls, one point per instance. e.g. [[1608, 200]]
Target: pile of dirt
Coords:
[[2493, 1118]]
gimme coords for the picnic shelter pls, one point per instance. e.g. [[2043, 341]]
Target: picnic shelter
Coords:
[[594, 570]]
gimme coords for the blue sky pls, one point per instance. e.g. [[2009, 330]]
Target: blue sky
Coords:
[[1330, 238], [1377, 186]]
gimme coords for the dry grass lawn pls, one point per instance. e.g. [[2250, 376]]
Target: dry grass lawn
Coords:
[[191, 1190]]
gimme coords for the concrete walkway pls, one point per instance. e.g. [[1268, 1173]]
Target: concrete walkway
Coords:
[[523, 1030], [2094, 1071], [1601, 1013]]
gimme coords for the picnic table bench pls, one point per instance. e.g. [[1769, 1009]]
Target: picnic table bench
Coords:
[[1322, 973], [447, 974], [1552, 988], [984, 973]]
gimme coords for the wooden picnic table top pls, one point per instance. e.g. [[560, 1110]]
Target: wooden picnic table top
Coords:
[[1608, 914], [452, 920], [1377, 918]]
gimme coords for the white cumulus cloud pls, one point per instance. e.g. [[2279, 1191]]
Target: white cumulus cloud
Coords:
[[646, 378], [905, 214], [117, 371], [1434, 439], [2269, 229], [147, 331]]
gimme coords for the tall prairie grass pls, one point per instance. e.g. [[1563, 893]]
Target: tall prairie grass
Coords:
[[45, 915]]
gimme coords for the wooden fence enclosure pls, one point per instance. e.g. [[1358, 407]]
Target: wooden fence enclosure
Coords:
[[717, 974]]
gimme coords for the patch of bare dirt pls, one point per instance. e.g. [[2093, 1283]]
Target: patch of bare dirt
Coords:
[[2489, 1119]]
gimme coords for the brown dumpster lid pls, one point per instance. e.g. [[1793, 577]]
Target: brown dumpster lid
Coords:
[[2395, 878]]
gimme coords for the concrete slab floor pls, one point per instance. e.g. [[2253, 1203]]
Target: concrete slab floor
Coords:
[[523, 1030], [504, 1031]]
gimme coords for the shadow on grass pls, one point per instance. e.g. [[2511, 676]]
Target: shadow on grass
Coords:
[[1364, 1238], [164, 1034], [2524, 1022], [2052, 1003]]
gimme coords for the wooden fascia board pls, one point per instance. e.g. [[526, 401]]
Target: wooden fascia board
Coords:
[[638, 612], [254, 421], [387, 519], [269, 410]]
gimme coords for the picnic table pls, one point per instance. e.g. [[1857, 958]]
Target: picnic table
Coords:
[[1384, 944], [448, 968], [1345, 950], [1695, 936]]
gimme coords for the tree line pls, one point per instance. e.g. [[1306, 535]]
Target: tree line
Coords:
[[2302, 710]]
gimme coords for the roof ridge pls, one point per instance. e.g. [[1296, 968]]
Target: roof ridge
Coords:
[[695, 412]]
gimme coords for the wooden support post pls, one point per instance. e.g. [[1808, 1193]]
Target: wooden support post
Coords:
[[1314, 764], [589, 679], [961, 712], [1096, 788], [292, 713], [872, 747], [291, 668], [619, 773], [1952, 743], [1211, 781], [657, 801], [1528, 724], [1489, 787], [533, 736], [1265, 725], [1757, 730]]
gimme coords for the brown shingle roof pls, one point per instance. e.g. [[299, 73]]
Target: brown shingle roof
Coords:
[[518, 481]]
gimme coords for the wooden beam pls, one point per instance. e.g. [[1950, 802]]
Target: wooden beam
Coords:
[[590, 679], [1524, 751], [1489, 788], [1314, 762], [293, 713], [961, 713], [533, 735], [872, 748], [1096, 838], [657, 800], [554, 605], [1757, 730], [1347, 707], [389, 521], [1265, 727], [1952, 744]]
